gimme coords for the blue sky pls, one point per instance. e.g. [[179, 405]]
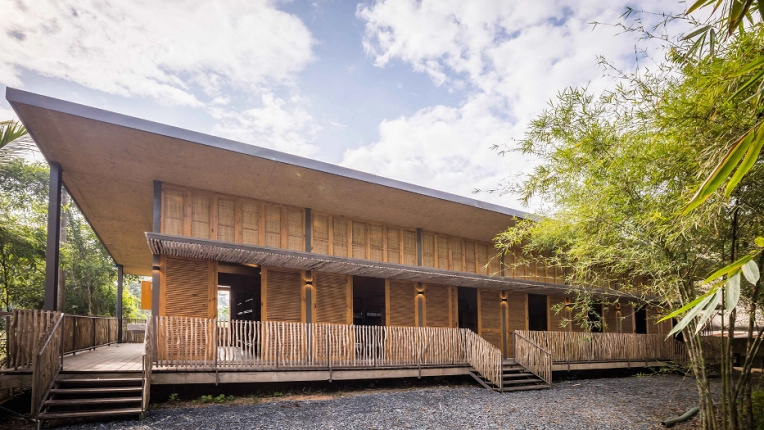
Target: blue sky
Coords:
[[413, 90]]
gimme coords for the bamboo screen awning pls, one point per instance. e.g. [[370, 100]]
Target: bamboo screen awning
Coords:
[[180, 246]]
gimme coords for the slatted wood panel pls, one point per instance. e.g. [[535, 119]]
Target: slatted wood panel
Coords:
[[359, 239], [409, 248], [469, 256], [250, 222], [320, 234], [226, 220], [200, 216], [437, 304], [172, 203], [272, 226], [283, 291], [295, 229], [455, 248], [393, 245], [340, 236], [428, 250], [490, 316], [332, 298], [482, 258], [517, 317], [627, 313], [556, 320], [610, 317], [186, 288], [376, 243], [443, 255], [400, 303]]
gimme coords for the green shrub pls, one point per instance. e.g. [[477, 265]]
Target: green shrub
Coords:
[[757, 398]]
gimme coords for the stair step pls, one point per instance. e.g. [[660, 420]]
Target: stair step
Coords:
[[526, 387], [519, 375], [76, 402], [521, 381], [101, 381], [88, 414], [96, 390]]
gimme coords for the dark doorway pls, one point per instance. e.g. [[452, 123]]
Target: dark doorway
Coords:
[[243, 296], [368, 301], [537, 312], [468, 314], [640, 321], [595, 318]]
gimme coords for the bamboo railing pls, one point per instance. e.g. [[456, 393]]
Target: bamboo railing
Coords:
[[47, 362], [132, 336], [533, 357], [149, 348], [484, 357], [601, 347], [206, 344], [86, 332], [25, 330]]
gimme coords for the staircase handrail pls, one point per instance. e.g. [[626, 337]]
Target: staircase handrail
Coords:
[[484, 357], [538, 364], [148, 358], [47, 362]]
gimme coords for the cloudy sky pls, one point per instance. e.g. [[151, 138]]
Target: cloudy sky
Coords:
[[412, 90]]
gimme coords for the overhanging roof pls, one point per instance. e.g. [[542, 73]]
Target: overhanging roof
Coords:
[[110, 161], [181, 246]]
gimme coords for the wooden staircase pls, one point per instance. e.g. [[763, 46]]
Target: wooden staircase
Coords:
[[93, 395], [515, 377]]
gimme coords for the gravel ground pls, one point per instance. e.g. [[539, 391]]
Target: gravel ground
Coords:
[[613, 403]]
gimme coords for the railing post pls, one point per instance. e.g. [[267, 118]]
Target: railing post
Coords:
[[419, 358], [328, 354], [277, 345], [74, 335], [92, 346]]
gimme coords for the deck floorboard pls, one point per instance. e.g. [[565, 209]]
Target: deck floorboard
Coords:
[[122, 357]]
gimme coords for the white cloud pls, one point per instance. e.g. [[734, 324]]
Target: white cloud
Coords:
[[153, 49], [509, 57]]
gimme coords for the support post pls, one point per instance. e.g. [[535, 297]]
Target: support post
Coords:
[[52, 252], [308, 231], [418, 246], [120, 285]]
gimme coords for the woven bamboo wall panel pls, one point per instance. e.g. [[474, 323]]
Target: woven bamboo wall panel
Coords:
[[401, 303], [494, 265], [226, 220], [627, 323], [272, 226], [283, 295], [172, 202], [428, 250], [320, 234], [490, 316], [340, 233], [295, 229], [393, 245], [652, 319], [409, 248], [186, 288], [437, 304], [455, 248], [556, 321], [359, 239], [200, 216], [517, 309], [469, 256], [250, 222], [331, 298], [482, 258], [443, 254], [610, 317], [376, 243]]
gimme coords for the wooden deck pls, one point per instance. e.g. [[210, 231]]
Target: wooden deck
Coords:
[[122, 357]]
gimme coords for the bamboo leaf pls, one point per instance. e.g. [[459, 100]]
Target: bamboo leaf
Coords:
[[710, 309], [733, 291], [746, 85], [697, 32], [721, 172], [699, 4], [750, 159], [761, 8], [751, 272], [727, 270], [753, 65], [688, 306], [692, 314], [759, 241]]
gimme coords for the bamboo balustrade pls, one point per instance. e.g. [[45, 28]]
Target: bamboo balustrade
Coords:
[[149, 347], [533, 357], [47, 362], [484, 357], [132, 336], [25, 330], [601, 347], [86, 332], [204, 344]]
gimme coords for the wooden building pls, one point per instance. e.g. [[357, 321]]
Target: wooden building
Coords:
[[292, 240]]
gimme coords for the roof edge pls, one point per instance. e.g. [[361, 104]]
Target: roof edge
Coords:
[[13, 95]]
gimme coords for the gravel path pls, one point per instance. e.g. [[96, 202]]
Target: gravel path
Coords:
[[614, 403]]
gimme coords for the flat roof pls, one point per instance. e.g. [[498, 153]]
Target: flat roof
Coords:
[[110, 161]]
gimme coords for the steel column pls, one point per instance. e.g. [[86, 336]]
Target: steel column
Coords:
[[52, 252], [120, 283]]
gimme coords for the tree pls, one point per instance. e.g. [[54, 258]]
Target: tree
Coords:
[[616, 169], [14, 141]]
